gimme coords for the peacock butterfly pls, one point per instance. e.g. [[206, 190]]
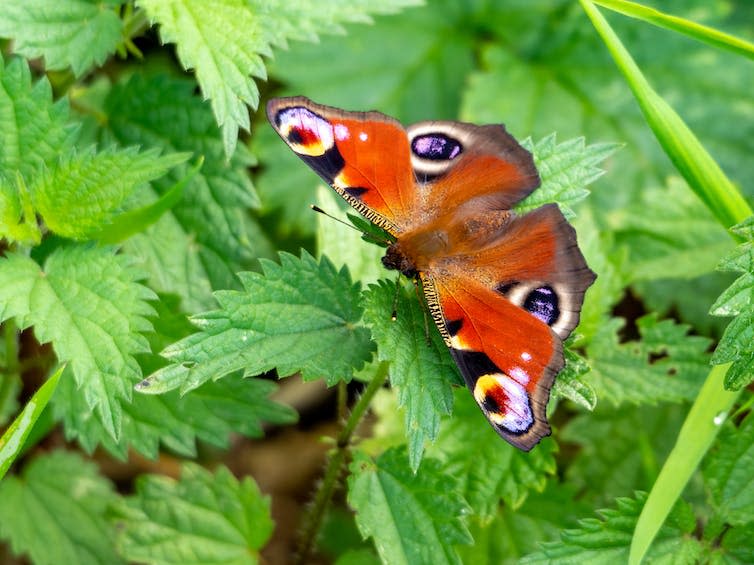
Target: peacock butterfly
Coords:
[[504, 290]]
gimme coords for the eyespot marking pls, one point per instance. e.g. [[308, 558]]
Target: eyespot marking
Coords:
[[436, 147], [542, 302], [453, 326], [307, 133]]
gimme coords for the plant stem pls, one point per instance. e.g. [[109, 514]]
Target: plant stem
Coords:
[[312, 521]]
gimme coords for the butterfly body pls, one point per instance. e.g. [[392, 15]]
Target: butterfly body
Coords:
[[504, 290]]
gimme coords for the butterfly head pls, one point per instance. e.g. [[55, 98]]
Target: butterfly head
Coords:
[[397, 260]]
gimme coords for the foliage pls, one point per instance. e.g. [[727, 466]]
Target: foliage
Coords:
[[160, 268]]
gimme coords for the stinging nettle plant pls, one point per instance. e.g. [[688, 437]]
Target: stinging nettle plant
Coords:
[[161, 270]]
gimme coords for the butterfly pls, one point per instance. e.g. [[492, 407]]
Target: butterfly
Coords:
[[504, 289]]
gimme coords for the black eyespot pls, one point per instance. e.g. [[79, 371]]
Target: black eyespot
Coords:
[[505, 288], [543, 303], [436, 147], [453, 326]]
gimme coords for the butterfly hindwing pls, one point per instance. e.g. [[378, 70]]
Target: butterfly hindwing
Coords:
[[504, 311]]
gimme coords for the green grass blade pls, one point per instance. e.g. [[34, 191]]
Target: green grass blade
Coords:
[[696, 436], [697, 31], [695, 164], [14, 437]]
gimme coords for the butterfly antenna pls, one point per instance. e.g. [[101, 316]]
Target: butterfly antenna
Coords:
[[321, 211]]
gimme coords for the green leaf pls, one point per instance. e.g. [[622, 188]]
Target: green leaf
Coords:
[[33, 130], [565, 169], [297, 316], [697, 434], [511, 535], [606, 539], [570, 382], [128, 223], [201, 518], [619, 450], [666, 364], [737, 344], [82, 193], [681, 25], [224, 43], [683, 240], [205, 238], [691, 159], [86, 302], [728, 473], [56, 512], [488, 469], [430, 49], [18, 221], [12, 440], [420, 366], [413, 518], [76, 33]]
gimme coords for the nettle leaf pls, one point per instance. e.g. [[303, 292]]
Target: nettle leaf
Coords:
[[413, 518], [55, 512], [86, 301], [422, 46], [83, 192], [683, 240], [33, 130], [421, 369], [511, 535], [205, 238], [728, 473], [76, 33], [666, 364], [201, 518], [565, 169], [488, 469], [301, 315], [607, 539], [619, 450], [573, 383], [737, 344], [210, 413], [18, 220], [224, 43]]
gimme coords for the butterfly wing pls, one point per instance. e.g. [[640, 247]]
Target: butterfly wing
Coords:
[[504, 320], [404, 178]]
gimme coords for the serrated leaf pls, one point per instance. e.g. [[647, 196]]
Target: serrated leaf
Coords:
[[300, 315], [728, 473], [55, 513], [620, 450], [18, 222], [201, 518], [76, 33], [737, 343], [33, 130], [12, 440], [683, 240], [565, 169], [86, 302], [511, 535], [84, 191], [607, 539], [413, 518], [420, 366], [488, 469], [571, 384], [422, 46], [205, 238], [224, 43], [666, 364]]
